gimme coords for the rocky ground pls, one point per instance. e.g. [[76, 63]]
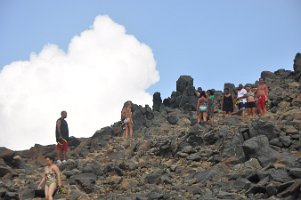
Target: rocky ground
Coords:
[[173, 157]]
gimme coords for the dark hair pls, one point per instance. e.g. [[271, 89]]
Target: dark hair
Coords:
[[226, 90], [49, 157], [203, 94], [211, 92]]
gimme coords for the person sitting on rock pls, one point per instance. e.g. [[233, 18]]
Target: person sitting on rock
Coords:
[[51, 178], [126, 117], [211, 104], [262, 96], [227, 103], [251, 102], [202, 107]]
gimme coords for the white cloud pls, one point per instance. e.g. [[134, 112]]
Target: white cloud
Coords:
[[104, 67]]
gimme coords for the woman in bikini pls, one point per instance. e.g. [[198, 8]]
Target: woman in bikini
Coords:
[[126, 117], [251, 102], [52, 178], [202, 107]]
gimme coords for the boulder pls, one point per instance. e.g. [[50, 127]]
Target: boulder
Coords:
[[149, 113], [285, 140], [209, 174], [154, 177], [183, 83], [138, 115], [73, 142], [260, 127], [295, 172], [258, 147], [172, 118], [292, 191], [157, 101], [85, 180], [267, 75], [210, 137], [4, 171], [297, 63]]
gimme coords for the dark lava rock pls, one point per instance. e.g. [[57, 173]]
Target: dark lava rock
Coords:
[[258, 147]]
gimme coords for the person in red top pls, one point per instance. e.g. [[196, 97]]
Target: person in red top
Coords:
[[262, 96]]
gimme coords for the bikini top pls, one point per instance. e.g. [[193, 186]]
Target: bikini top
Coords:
[[251, 94]]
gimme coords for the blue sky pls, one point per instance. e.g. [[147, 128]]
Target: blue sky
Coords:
[[213, 41], [76, 56]]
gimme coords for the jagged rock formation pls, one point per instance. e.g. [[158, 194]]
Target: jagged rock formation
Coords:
[[174, 158]]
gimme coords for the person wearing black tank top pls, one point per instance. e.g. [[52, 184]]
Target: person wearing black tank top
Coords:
[[227, 104], [62, 137]]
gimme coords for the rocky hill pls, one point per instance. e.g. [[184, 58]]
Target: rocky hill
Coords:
[[175, 158]]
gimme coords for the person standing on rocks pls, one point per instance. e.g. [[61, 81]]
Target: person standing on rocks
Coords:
[[211, 104], [251, 103], [241, 95], [126, 117], [51, 178], [62, 137], [227, 105], [202, 107], [262, 95], [198, 92]]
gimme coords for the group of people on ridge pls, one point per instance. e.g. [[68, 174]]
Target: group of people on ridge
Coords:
[[206, 103], [249, 99]]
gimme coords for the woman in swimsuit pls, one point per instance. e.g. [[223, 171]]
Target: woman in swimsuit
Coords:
[[126, 117], [211, 104], [202, 107], [52, 178], [227, 103], [251, 102]]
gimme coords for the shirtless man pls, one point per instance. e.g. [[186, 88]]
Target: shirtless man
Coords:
[[262, 96]]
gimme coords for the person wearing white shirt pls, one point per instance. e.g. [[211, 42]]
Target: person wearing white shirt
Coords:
[[242, 96]]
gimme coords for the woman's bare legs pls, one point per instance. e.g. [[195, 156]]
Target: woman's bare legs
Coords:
[[51, 190], [205, 116], [46, 192]]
